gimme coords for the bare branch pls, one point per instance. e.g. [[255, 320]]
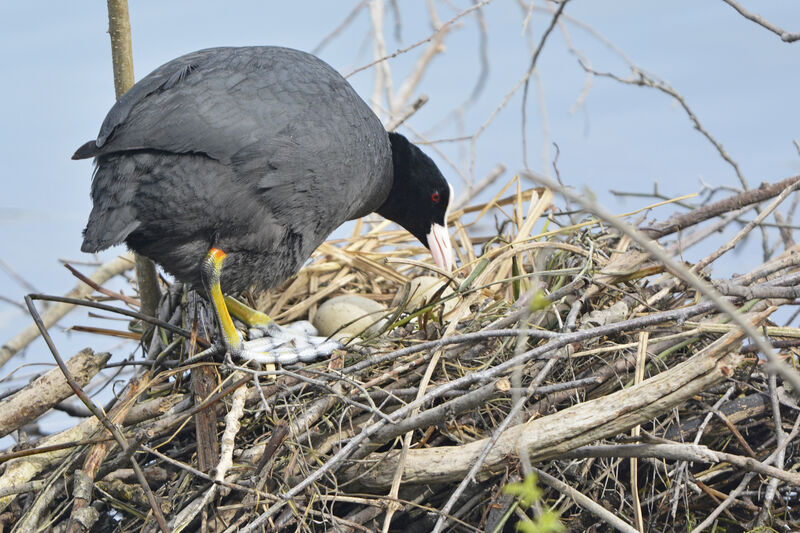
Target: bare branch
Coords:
[[785, 36], [338, 29], [586, 502], [423, 41], [643, 80], [746, 198], [57, 312], [531, 67]]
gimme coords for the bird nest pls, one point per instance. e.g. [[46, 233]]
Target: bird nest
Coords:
[[562, 369]]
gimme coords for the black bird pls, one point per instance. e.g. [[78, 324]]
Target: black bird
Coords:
[[229, 166]]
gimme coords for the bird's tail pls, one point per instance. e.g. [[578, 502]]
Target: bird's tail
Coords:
[[113, 216]]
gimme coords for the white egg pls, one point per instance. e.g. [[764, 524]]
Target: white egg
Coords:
[[422, 291], [349, 315]]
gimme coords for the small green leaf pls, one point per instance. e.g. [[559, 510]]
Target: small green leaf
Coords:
[[526, 526], [515, 272], [526, 491], [549, 522], [539, 302], [480, 267]]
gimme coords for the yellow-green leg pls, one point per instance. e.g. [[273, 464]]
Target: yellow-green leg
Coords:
[[212, 273], [254, 319], [250, 316]]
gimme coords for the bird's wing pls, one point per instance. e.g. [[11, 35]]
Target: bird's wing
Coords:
[[285, 121]]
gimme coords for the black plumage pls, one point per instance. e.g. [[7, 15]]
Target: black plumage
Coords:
[[260, 152]]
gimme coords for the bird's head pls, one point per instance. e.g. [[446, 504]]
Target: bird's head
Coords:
[[420, 199]]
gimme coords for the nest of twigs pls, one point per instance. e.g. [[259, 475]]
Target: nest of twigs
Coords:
[[570, 354]]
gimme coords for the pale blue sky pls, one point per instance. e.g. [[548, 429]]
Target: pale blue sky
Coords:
[[741, 80]]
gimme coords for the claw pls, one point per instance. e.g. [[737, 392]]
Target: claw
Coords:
[[293, 343], [268, 353]]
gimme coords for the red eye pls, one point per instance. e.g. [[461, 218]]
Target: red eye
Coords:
[[435, 197]]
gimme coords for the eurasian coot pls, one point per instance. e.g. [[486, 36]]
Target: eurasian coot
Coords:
[[229, 166]]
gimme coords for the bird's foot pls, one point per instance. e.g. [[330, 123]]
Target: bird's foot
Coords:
[[270, 343], [293, 343]]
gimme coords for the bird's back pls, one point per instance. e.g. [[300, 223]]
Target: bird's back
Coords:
[[262, 148]]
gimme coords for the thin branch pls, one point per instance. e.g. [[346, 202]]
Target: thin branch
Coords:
[[731, 243], [100, 415], [429, 38], [641, 79], [133, 314], [586, 502], [57, 312], [531, 67], [479, 462], [780, 437], [683, 452], [746, 198], [338, 29], [119, 29], [785, 36], [746, 480]]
